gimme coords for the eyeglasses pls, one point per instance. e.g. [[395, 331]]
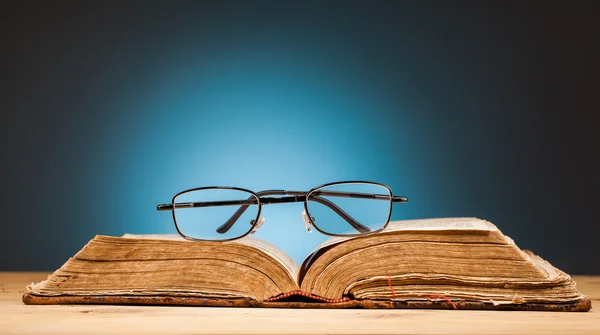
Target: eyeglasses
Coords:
[[222, 213]]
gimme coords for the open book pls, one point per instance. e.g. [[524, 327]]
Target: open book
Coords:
[[434, 263]]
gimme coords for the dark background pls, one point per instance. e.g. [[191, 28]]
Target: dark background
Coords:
[[469, 108]]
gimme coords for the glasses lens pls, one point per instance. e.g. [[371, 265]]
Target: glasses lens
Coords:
[[215, 214], [350, 208]]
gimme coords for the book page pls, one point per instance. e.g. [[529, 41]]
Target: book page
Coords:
[[465, 223], [274, 252], [266, 247], [437, 224], [160, 265], [466, 258]]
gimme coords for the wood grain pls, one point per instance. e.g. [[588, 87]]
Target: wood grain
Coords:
[[15, 317]]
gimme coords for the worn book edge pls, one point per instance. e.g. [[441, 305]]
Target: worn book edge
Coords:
[[437, 303]]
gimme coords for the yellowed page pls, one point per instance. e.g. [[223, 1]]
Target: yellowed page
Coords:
[[434, 224], [170, 265], [270, 249]]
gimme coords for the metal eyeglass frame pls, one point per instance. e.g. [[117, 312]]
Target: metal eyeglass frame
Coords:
[[259, 198]]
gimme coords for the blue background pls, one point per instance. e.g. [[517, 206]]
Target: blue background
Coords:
[[467, 108]]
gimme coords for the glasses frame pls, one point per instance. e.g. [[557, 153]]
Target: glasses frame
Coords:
[[294, 196]]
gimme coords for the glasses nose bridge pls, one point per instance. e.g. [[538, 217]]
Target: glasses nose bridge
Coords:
[[281, 197]]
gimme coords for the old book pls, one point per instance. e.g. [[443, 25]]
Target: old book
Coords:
[[460, 263]]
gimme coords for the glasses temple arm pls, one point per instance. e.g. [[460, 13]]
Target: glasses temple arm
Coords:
[[170, 207], [341, 213], [396, 198], [164, 207]]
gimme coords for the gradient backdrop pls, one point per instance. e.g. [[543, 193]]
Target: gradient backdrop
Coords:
[[468, 108]]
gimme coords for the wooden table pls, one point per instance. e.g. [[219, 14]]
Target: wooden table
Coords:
[[17, 318]]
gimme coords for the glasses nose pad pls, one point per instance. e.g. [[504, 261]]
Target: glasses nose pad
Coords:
[[257, 224], [307, 222]]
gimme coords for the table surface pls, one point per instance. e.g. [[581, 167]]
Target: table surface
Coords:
[[17, 318]]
